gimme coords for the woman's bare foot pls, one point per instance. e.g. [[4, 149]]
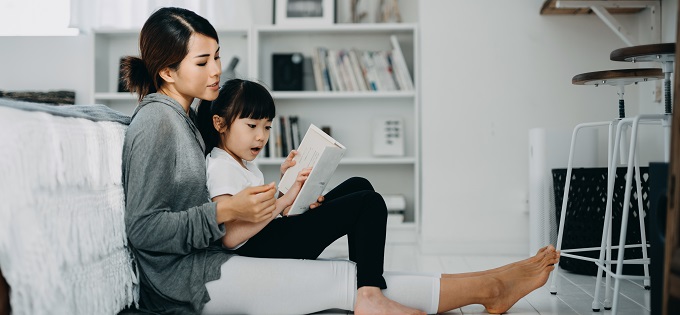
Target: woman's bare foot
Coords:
[[538, 257], [515, 283], [371, 301]]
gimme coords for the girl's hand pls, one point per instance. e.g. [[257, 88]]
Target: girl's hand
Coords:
[[288, 163], [318, 202], [302, 176], [294, 190]]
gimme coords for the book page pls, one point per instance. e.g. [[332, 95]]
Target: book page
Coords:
[[318, 179], [309, 152]]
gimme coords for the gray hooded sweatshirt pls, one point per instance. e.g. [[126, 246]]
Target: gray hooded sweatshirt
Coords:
[[170, 222]]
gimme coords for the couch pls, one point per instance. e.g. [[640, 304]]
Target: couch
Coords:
[[62, 233]]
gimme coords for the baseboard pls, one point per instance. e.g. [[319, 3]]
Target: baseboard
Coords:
[[471, 248]]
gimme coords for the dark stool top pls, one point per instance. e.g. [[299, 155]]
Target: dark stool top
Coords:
[[618, 77], [645, 53]]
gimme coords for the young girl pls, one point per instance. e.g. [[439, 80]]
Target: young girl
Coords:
[[235, 128], [234, 137]]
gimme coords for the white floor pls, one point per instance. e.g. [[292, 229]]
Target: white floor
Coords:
[[575, 292]]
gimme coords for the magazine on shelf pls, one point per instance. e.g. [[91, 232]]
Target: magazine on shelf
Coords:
[[321, 152]]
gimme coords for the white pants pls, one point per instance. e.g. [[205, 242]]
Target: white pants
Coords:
[[292, 286]]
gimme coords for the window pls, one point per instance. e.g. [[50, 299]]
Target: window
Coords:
[[35, 18]]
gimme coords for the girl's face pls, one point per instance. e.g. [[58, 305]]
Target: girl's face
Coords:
[[198, 75], [246, 138]]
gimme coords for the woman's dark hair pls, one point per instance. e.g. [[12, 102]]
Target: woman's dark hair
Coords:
[[163, 43], [237, 99]]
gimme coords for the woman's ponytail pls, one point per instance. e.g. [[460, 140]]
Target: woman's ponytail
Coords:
[[136, 77]]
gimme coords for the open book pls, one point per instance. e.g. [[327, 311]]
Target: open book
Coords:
[[321, 152]]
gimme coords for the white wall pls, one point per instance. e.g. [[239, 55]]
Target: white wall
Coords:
[[492, 70], [47, 63]]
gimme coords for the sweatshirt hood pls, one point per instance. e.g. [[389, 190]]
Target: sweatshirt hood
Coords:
[[160, 98], [177, 107]]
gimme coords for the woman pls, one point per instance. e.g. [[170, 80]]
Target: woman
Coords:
[[175, 232]]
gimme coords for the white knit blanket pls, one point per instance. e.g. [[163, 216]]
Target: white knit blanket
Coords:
[[62, 231]]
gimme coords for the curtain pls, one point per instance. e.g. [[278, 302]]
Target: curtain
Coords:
[[88, 15]]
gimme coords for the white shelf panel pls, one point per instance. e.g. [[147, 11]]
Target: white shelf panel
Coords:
[[349, 161], [135, 31], [339, 28], [115, 96], [341, 95]]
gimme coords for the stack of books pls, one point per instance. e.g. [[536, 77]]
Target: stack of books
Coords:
[[396, 206], [355, 70], [284, 136]]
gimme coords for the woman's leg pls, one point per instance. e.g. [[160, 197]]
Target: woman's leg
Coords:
[[281, 286], [498, 289], [531, 259], [290, 286]]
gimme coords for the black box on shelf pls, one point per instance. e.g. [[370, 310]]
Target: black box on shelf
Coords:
[[287, 71], [585, 215]]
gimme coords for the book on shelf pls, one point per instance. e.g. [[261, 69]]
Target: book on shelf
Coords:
[[357, 70], [370, 72], [349, 71], [399, 64], [384, 71], [284, 135], [337, 83], [319, 151], [316, 67]]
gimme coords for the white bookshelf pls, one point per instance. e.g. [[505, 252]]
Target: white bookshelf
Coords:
[[349, 114], [109, 45]]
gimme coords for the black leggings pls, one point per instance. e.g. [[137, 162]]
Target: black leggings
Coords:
[[353, 208]]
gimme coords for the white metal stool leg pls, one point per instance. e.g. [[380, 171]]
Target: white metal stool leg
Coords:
[[641, 219], [560, 233], [624, 216], [605, 245]]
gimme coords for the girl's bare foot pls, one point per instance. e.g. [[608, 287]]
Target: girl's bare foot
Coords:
[[371, 301], [515, 283]]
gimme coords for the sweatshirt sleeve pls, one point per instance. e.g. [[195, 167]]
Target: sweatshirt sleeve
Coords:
[[153, 191]]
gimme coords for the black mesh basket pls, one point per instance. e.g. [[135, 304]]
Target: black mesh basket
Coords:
[[585, 215]]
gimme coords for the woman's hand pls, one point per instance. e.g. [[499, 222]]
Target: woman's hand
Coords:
[[288, 163], [318, 202], [253, 204]]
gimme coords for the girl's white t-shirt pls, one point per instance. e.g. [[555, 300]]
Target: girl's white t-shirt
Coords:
[[226, 176]]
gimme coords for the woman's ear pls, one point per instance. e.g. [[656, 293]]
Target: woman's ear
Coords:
[[167, 75], [218, 123]]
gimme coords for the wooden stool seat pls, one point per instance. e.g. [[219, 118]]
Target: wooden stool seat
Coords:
[[645, 53], [618, 77]]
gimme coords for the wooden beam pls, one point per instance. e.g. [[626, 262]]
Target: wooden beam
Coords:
[[671, 281], [4, 296], [549, 8]]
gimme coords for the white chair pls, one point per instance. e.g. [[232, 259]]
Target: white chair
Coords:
[[665, 54], [618, 78]]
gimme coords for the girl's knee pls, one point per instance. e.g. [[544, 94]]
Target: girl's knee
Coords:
[[375, 203], [360, 183]]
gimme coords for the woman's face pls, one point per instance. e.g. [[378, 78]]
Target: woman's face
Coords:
[[198, 75]]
